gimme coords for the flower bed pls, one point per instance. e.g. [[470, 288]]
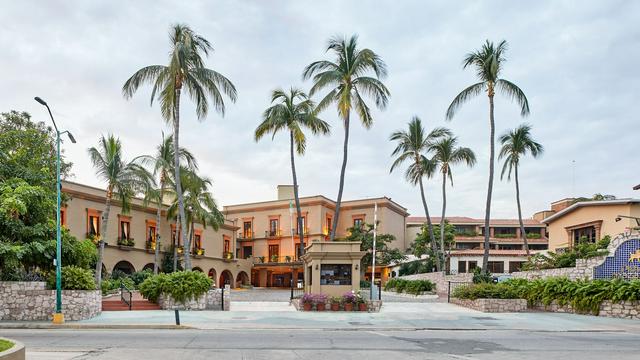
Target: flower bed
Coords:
[[350, 301]]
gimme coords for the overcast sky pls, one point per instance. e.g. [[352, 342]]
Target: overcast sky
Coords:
[[575, 60]]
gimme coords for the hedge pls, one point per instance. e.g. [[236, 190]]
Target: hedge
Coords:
[[181, 285], [585, 296], [414, 287], [73, 278]]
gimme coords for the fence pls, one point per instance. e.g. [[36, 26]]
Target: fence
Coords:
[[453, 285]]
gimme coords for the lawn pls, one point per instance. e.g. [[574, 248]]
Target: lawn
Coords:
[[5, 345]]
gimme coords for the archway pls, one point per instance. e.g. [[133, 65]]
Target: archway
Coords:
[[197, 269], [212, 275], [149, 266], [242, 279], [125, 267], [225, 278]]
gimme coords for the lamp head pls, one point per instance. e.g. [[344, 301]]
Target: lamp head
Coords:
[[618, 219], [73, 140], [42, 102]]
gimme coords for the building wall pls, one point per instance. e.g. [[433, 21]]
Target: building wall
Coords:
[[559, 238], [506, 260]]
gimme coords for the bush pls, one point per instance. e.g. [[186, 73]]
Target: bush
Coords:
[[181, 285], [480, 276], [139, 276], [73, 278], [365, 284], [583, 250], [485, 291], [414, 287]]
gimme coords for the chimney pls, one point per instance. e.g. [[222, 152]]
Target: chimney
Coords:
[[285, 192], [562, 204]]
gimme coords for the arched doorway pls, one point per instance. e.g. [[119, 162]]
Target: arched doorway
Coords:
[[149, 266], [225, 278], [242, 279], [125, 267], [212, 275], [197, 269]]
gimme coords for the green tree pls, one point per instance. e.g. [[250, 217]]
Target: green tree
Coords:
[[412, 146], [447, 153], [488, 63], [423, 244], [348, 80], [385, 254], [515, 145], [186, 70], [162, 163], [293, 112], [124, 179]]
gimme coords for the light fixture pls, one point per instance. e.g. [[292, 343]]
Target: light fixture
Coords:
[[356, 266]]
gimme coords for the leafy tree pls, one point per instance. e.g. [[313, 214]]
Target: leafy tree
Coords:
[[186, 70], [447, 153], [423, 243], [384, 253], [488, 63], [348, 81], [516, 144], [124, 179], [412, 146], [293, 113]]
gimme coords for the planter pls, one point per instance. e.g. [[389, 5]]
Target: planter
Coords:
[[348, 306], [320, 306], [362, 307], [335, 307], [16, 352], [306, 306]]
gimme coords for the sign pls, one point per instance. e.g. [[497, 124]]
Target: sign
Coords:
[[625, 262]]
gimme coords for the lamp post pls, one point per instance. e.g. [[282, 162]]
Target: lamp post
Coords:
[[58, 317]]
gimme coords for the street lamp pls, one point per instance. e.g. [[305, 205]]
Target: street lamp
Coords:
[[58, 317]]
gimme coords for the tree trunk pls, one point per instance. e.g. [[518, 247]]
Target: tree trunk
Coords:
[[523, 233], [487, 214], [444, 207], [434, 246], [297, 199], [175, 246], [342, 171], [103, 235], [158, 218], [176, 160]]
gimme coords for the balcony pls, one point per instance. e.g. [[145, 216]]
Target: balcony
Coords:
[[126, 243], [150, 245], [227, 255], [246, 235], [198, 252], [272, 234], [275, 259]]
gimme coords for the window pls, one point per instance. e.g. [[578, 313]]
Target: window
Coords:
[[335, 274], [515, 266], [538, 246], [357, 222], [310, 272], [304, 225], [125, 229], [274, 253], [462, 246], [197, 241], [585, 234], [247, 252], [93, 223], [509, 247], [150, 234], [327, 226], [176, 239], [472, 265], [274, 227], [462, 267], [496, 267], [227, 246], [246, 230]]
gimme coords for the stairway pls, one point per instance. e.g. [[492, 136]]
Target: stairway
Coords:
[[139, 303]]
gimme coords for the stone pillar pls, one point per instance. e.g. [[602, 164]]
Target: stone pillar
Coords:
[[262, 277], [518, 233], [491, 232]]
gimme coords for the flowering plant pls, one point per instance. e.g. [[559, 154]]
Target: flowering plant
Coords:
[[307, 299], [319, 299], [349, 297], [359, 298]]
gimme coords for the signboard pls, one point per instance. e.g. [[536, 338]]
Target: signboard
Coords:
[[625, 262]]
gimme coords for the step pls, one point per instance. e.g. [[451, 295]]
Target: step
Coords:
[[119, 305]]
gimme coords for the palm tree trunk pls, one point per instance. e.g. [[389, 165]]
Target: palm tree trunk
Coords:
[[176, 160], [487, 214], [434, 247], [103, 235], [444, 207], [175, 246], [158, 218], [523, 233], [342, 171], [297, 200]]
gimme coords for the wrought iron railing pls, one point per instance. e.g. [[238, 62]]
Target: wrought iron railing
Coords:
[[124, 290]]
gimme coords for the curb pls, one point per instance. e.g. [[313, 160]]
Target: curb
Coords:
[[94, 326]]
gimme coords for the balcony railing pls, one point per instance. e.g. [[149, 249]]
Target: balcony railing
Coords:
[[150, 244], [273, 233], [198, 252], [227, 255], [275, 259], [245, 235], [126, 242]]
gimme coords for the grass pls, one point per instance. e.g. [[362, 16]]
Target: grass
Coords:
[[5, 345]]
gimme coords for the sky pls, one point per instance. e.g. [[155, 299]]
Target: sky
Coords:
[[575, 60]]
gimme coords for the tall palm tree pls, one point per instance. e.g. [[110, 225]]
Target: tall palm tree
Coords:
[[412, 146], [162, 168], [186, 70], [293, 112], [348, 81], [124, 179], [447, 153], [488, 62], [516, 144]]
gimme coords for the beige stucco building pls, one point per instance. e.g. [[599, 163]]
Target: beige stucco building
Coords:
[[131, 237], [569, 221]]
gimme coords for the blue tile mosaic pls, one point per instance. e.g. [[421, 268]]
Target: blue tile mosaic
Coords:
[[625, 262]]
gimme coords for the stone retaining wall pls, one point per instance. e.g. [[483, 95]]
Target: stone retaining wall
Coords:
[[493, 305], [212, 300], [623, 309], [583, 269], [440, 279], [31, 301], [372, 306]]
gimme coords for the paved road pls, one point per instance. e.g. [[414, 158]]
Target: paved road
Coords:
[[329, 344]]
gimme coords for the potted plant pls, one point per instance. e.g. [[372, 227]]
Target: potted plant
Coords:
[[335, 303], [361, 302], [348, 299], [287, 258], [320, 300], [307, 301], [261, 258], [274, 258]]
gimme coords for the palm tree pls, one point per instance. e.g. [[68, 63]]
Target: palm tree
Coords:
[[516, 144], [293, 112], [124, 179], [488, 63], [446, 153], [348, 80], [162, 165], [412, 146], [185, 70]]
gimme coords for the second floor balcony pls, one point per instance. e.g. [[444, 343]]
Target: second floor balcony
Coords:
[[275, 259]]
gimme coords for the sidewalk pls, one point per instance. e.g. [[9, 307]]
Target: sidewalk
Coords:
[[394, 316]]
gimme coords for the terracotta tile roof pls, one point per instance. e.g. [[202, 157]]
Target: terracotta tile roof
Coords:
[[476, 252], [468, 220]]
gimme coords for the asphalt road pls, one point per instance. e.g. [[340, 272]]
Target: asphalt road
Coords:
[[328, 344]]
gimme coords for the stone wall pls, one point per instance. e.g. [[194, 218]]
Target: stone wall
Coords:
[[440, 279], [583, 269], [623, 309], [212, 300], [31, 301], [493, 305]]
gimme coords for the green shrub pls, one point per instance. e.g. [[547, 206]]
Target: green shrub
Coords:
[[485, 291], [414, 287], [181, 285], [480, 276], [582, 250], [364, 284], [73, 278], [139, 276]]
